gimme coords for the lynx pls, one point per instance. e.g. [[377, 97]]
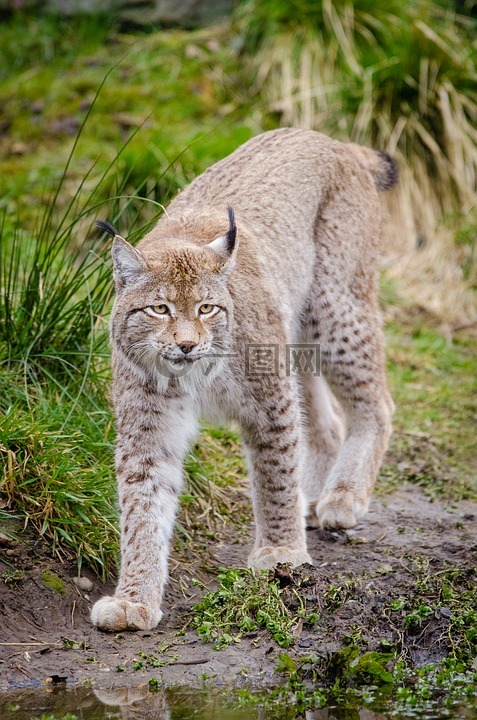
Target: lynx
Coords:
[[275, 245]]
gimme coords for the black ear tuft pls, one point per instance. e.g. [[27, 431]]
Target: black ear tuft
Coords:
[[232, 231], [107, 227], [226, 245]]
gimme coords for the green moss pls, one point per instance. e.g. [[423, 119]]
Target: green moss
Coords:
[[54, 582]]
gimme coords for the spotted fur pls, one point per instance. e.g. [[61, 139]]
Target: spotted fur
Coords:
[[299, 265]]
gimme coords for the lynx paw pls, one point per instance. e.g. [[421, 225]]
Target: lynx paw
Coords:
[[311, 517], [266, 558], [111, 613], [339, 510]]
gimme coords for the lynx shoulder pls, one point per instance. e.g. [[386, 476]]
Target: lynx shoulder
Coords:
[[253, 300]]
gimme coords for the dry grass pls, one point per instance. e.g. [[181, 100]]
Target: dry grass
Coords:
[[402, 79], [421, 255]]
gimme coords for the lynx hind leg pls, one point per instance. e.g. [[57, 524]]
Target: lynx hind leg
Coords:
[[346, 320], [353, 363], [324, 429]]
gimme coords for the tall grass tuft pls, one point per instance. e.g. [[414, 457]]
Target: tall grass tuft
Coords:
[[61, 481], [51, 306], [397, 76], [56, 460]]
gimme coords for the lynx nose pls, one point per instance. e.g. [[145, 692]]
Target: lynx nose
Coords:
[[187, 346]]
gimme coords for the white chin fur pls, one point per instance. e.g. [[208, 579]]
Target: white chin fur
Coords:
[[191, 375]]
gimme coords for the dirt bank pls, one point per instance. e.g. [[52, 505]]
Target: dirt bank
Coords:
[[357, 587]]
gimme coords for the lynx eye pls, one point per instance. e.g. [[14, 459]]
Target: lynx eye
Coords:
[[206, 309], [161, 309]]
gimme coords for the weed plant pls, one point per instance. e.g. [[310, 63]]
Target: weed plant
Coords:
[[378, 670], [246, 602]]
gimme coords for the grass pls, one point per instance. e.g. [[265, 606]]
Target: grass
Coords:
[[434, 386], [54, 450], [61, 481], [175, 87]]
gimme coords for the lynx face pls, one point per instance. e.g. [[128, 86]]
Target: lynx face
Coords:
[[169, 312]]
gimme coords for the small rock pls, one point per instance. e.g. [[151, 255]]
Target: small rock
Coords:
[[6, 541], [18, 148], [83, 583], [37, 107], [384, 570], [68, 125]]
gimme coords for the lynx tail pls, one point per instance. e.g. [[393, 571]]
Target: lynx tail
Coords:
[[382, 166]]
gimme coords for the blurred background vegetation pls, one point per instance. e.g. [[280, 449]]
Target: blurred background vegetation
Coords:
[[107, 115]]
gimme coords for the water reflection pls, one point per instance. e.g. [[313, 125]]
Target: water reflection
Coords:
[[344, 713], [141, 703], [136, 703]]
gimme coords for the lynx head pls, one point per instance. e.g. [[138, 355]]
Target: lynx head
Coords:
[[172, 305]]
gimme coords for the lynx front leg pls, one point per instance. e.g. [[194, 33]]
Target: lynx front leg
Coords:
[[153, 435], [274, 451]]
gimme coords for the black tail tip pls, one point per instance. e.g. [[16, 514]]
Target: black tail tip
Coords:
[[389, 175]]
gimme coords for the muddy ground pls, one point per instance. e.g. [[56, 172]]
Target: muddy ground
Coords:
[[46, 636]]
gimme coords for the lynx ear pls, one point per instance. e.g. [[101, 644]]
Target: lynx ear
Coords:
[[227, 245], [127, 261]]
